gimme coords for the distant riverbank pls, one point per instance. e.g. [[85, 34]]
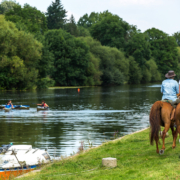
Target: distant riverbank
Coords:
[[136, 159], [68, 87]]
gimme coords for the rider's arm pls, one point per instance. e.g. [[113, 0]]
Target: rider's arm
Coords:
[[161, 88], [177, 88], [39, 104]]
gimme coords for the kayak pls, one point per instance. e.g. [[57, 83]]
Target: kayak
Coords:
[[39, 108], [7, 109], [21, 107], [17, 106], [19, 159]]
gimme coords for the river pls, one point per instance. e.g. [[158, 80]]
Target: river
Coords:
[[92, 115]]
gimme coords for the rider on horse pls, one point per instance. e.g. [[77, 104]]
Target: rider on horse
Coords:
[[170, 89], [163, 112]]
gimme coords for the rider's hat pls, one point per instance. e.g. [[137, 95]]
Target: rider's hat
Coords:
[[170, 74]]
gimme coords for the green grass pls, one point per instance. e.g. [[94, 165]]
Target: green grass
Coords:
[[136, 159]]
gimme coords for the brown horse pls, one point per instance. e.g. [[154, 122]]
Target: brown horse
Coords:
[[160, 116]]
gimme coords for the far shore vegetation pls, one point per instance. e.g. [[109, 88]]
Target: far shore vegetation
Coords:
[[136, 159], [39, 50]]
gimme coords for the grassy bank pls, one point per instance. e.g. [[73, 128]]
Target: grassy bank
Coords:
[[68, 87], [136, 160]]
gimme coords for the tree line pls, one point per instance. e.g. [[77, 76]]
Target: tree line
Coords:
[[38, 49]]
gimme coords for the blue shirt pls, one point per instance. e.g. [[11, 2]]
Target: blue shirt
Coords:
[[170, 88], [8, 106]]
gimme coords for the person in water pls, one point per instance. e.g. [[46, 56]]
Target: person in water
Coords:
[[9, 104], [170, 89], [43, 104]]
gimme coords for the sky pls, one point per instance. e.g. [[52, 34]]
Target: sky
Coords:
[[145, 14]]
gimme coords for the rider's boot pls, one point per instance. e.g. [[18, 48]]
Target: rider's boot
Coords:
[[172, 114]]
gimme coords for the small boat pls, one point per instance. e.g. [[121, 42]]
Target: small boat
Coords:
[[7, 109], [17, 107], [21, 107], [19, 159], [40, 108]]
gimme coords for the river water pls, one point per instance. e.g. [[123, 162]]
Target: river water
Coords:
[[92, 115]]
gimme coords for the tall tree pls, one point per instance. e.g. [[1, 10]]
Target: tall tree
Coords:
[[139, 47], [19, 57], [28, 17], [177, 37], [112, 31], [56, 15], [71, 57], [5, 6], [71, 26], [164, 50], [87, 21]]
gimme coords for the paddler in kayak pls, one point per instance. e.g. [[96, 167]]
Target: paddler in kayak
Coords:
[[9, 105], [43, 104]]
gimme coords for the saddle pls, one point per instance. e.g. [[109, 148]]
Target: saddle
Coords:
[[174, 104]]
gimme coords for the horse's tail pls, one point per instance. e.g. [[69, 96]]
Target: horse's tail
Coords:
[[155, 119]]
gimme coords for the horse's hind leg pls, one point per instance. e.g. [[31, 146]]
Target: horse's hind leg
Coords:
[[174, 133], [167, 126]]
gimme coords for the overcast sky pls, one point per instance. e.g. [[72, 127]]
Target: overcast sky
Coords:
[[161, 14]]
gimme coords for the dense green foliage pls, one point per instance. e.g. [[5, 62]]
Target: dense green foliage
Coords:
[[100, 49], [71, 57], [28, 18], [164, 50], [113, 64], [71, 26], [19, 56], [177, 37], [5, 6], [111, 31]]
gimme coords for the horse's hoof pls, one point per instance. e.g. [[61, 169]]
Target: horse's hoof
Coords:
[[173, 147], [161, 151]]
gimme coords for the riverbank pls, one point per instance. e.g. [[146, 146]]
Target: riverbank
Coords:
[[69, 87], [136, 159]]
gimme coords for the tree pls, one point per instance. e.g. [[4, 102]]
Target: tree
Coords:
[[71, 26], [178, 71], [164, 50], [5, 6], [177, 37], [139, 48], [87, 21], [135, 74], [83, 31], [93, 71], [112, 31], [56, 15], [28, 18], [19, 56], [153, 69], [71, 58], [113, 64]]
